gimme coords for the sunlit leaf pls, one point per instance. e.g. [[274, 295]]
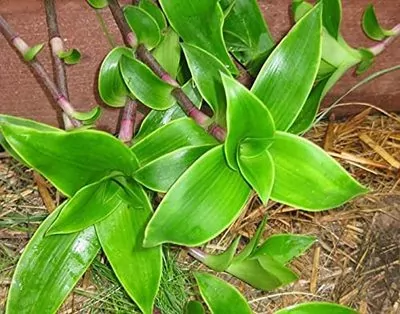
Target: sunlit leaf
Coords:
[[222, 261], [194, 307], [300, 8], [371, 26], [49, 268], [286, 78], [203, 202], [151, 8], [32, 52], [199, 23], [220, 296], [71, 56], [98, 4], [316, 308], [306, 177], [88, 117]]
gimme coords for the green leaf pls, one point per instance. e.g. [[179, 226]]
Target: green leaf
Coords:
[[194, 307], [168, 52], [32, 52], [371, 26], [368, 59], [144, 25], [332, 16], [222, 261], [49, 268], [112, 89], [137, 268], [220, 296], [88, 117], [98, 4], [156, 118], [145, 85], [316, 308], [250, 125], [70, 160], [177, 134], [284, 247], [160, 174], [71, 56], [306, 177], [200, 23], [151, 8], [206, 71], [203, 202], [89, 205], [300, 8], [286, 78]]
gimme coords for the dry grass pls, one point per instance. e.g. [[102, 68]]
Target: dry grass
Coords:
[[355, 262]]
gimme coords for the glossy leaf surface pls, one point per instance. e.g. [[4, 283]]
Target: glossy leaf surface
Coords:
[[70, 160], [88, 117], [220, 296], [112, 89], [71, 56], [204, 201], [286, 78], [32, 52], [144, 26], [199, 23], [145, 85], [160, 174], [371, 26], [49, 268], [306, 177], [316, 308], [332, 16], [121, 237], [151, 8]]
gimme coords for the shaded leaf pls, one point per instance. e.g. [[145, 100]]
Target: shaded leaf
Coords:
[[316, 308], [32, 52], [151, 8], [306, 177], [220, 296], [371, 26], [98, 4], [194, 307], [368, 59], [88, 117], [332, 16], [203, 202], [300, 8], [71, 56], [286, 78], [221, 261], [49, 268]]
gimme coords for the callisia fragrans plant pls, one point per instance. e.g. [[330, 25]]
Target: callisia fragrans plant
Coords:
[[180, 61]]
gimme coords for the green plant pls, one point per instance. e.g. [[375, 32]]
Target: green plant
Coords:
[[207, 166]]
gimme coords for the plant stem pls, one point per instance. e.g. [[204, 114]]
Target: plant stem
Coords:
[[128, 35], [128, 121], [379, 48], [37, 69]]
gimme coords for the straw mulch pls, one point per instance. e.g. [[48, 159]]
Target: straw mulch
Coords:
[[355, 261]]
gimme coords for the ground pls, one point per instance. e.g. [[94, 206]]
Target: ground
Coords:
[[356, 261]]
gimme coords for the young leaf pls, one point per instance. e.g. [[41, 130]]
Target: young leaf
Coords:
[[145, 85], [137, 268], [283, 86], [177, 134], [206, 71], [317, 308], [306, 177], [32, 52], [89, 205], [151, 8], [199, 23], [371, 26], [160, 174], [367, 61], [70, 160], [98, 4], [89, 117], [222, 261], [332, 16], [72, 56], [168, 52], [49, 268], [144, 25], [194, 307], [112, 89], [203, 202], [220, 296], [249, 122]]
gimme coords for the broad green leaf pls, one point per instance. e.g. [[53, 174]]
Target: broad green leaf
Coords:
[[121, 237], [89, 205], [151, 8], [251, 38], [71, 56], [168, 52], [306, 177], [199, 23], [194, 307], [98, 4], [316, 308], [160, 174], [32, 52], [371, 26], [144, 25], [286, 78], [177, 134], [145, 85], [112, 89], [332, 16], [70, 160], [220, 296], [300, 8], [284, 247], [203, 202], [249, 122], [206, 71], [88, 117], [221, 261], [156, 118], [259, 172], [49, 268]]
